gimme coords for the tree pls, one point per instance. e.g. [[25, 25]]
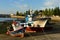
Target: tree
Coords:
[[50, 12], [56, 11], [24, 13], [28, 12], [36, 12], [17, 13], [46, 11]]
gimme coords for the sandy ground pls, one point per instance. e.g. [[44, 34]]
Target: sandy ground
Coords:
[[55, 18], [47, 35]]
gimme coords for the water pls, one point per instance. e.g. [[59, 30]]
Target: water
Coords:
[[4, 19]]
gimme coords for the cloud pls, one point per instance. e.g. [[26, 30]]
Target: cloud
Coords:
[[48, 3], [21, 6], [51, 3]]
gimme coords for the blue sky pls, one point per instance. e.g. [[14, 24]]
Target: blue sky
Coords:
[[11, 6]]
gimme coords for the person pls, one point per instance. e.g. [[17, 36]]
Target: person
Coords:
[[18, 30]]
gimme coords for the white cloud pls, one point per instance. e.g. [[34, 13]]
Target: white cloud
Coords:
[[51, 3], [20, 5], [24, 6], [48, 3]]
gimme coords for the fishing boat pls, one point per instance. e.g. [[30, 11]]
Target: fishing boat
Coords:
[[35, 25]]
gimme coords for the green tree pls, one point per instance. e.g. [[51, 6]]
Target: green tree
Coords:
[[27, 12], [17, 13], [56, 11], [50, 12], [36, 12], [46, 11], [24, 13], [21, 14]]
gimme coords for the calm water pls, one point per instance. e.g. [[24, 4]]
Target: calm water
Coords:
[[3, 19]]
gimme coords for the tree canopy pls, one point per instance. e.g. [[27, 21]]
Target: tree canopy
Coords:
[[47, 12]]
